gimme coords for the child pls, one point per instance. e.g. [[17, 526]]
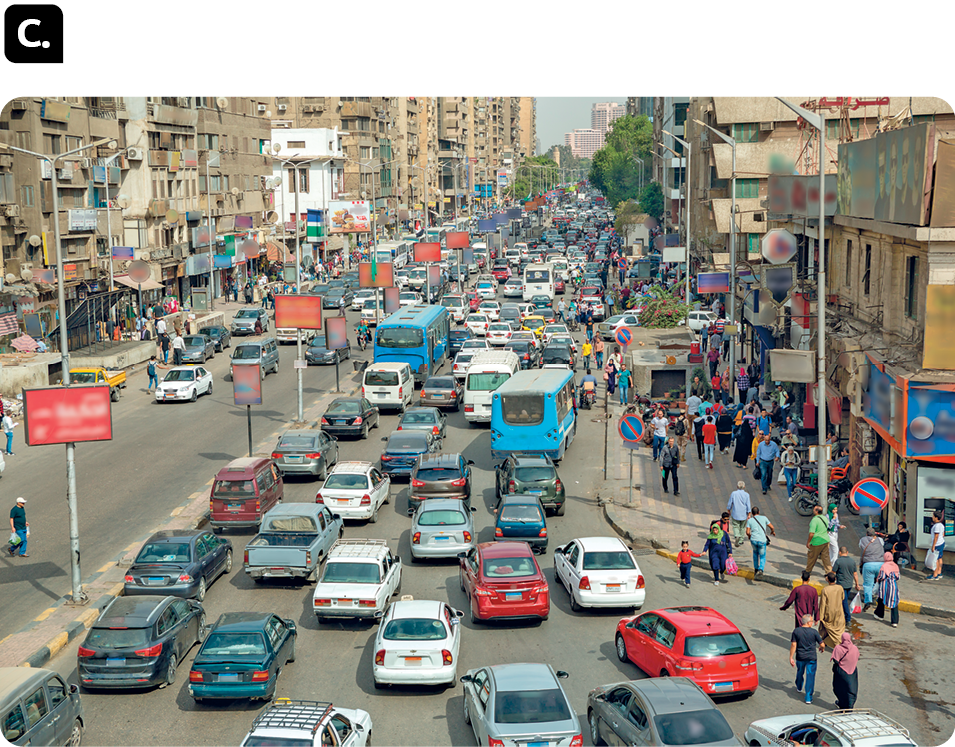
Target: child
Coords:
[[684, 560]]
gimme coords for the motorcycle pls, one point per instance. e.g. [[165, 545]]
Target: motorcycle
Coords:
[[588, 398], [806, 497]]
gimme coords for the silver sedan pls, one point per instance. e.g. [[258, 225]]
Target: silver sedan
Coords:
[[441, 528]]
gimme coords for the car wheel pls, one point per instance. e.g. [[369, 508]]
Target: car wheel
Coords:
[[621, 648], [474, 618], [76, 734], [594, 728], [209, 390], [324, 473], [276, 369], [114, 395], [461, 582], [201, 591], [171, 672], [664, 673], [228, 562], [364, 432], [195, 394], [291, 655], [320, 620], [387, 497], [467, 713], [347, 353], [202, 630]]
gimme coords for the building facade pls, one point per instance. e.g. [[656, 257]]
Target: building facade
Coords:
[[602, 115], [584, 143]]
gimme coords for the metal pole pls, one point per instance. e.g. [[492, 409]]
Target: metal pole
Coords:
[[823, 479], [109, 234], [338, 387], [298, 289], [248, 420], [630, 481], [212, 236]]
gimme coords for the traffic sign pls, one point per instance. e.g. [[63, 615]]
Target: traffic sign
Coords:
[[869, 496], [624, 336], [630, 429]]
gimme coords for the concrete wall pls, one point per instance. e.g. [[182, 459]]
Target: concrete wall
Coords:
[[27, 374]]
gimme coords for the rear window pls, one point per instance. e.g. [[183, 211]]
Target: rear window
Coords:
[[531, 707], [535, 474], [613, 560], [441, 517], [439, 383], [695, 727], [234, 644], [247, 352], [432, 474], [487, 381], [708, 646], [337, 572], [346, 481], [164, 552], [509, 567], [522, 512], [556, 355], [233, 489], [381, 378], [522, 409], [344, 408], [104, 638], [403, 440], [414, 629], [297, 442]]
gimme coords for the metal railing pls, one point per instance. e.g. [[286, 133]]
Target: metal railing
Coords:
[[88, 325]]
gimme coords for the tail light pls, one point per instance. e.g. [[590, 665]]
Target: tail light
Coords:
[[211, 506], [749, 660], [640, 582], [260, 676], [435, 430], [542, 532], [401, 390], [469, 408], [399, 428], [358, 420], [363, 391], [511, 486], [416, 539], [322, 602], [416, 483], [308, 557], [128, 579], [453, 394], [467, 536], [584, 583], [276, 455], [380, 657], [460, 483], [492, 742], [150, 652], [423, 394], [325, 422], [446, 658], [318, 498], [386, 458], [195, 676], [557, 485], [185, 578], [313, 456], [258, 506], [84, 651], [245, 558], [482, 592], [527, 357], [577, 741], [365, 500]]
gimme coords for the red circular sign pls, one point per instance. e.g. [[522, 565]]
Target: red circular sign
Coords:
[[139, 271]]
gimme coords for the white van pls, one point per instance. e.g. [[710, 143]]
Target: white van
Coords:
[[513, 257], [486, 372], [561, 266], [388, 385]]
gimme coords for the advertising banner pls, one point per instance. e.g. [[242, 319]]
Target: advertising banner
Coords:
[[467, 256], [798, 196], [124, 252], [457, 239], [379, 276], [778, 246], [427, 251], [298, 312], [930, 431], [434, 275], [513, 213], [247, 385], [501, 219], [487, 226], [392, 300], [222, 261], [943, 190], [336, 332], [939, 323], [713, 282], [61, 415], [936, 492], [349, 216]]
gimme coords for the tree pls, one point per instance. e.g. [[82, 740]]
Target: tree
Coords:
[[614, 170], [651, 200]]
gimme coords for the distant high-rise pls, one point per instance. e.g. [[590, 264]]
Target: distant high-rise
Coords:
[[584, 143], [603, 115]]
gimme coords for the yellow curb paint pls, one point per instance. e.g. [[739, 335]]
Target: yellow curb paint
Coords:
[[105, 568], [116, 591], [130, 548], [88, 617], [4, 639], [45, 614], [913, 607], [58, 642], [176, 511]]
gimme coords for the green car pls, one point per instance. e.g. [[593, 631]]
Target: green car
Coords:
[[242, 656], [531, 474]]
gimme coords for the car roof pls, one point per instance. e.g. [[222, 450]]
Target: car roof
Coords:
[[299, 432], [15, 679], [419, 408], [694, 620], [130, 612], [352, 467], [241, 622], [508, 677], [597, 544], [443, 504], [505, 549], [416, 608]]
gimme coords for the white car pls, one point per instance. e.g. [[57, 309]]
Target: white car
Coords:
[[699, 319], [608, 329], [355, 490], [368, 315], [475, 344], [860, 727], [308, 723], [513, 288], [459, 369], [401, 278], [599, 572], [417, 644], [457, 306], [491, 309], [477, 322], [554, 329], [360, 297], [486, 289], [499, 333], [184, 383], [360, 577], [409, 298]]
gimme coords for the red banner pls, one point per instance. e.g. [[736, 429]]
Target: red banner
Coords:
[[61, 415], [457, 240], [298, 312], [427, 251], [384, 278]]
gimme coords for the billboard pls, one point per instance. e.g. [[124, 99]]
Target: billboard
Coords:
[[798, 196], [336, 332], [856, 179], [61, 415], [943, 191], [427, 251], [298, 312], [349, 216], [392, 300], [930, 427], [486, 226], [247, 385], [382, 277], [501, 219], [939, 323], [434, 276], [713, 282], [458, 239], [513, 213]]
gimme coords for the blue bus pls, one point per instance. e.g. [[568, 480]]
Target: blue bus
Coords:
[[417, 335], [534, 411]]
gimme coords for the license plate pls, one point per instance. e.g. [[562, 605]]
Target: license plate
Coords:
[[538, 744], [345, 602], [234, 506], [441, 539], [228, 678], [381, 394], [156, 580], [613, 587], [413, 661], [513, 596], [536, 492], [438, 396], [341, 422], [115, 662], [343, 501], [293, 459], [723, 686]]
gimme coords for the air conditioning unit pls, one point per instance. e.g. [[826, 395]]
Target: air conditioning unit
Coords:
[[308, 108], [134, 154], [11, 211], [18, 105], [87, 163], [283, 107], [767, 126], [261, 107]]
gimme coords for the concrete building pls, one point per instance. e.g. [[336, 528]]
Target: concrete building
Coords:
[[455, 130], [669, 113], [528, 127], [584, 143], [602, 115], [637, 105]]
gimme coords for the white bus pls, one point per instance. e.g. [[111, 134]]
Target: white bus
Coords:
[[487, 370], [396, 252], [539, 281]]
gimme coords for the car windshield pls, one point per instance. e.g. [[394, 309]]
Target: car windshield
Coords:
[[317, 342], [344, 407], [233, 489], [247, 352], [708, 646], [419, 416], [194, 340], [210, 331], [399, 337], [345, 481], [164, 552], [535, 474], [509, 567], [693, 727], [297, 442], [611, 560], [521, 512], [439, 383], [180, 375], [433, 474], [415, 629], [105, 638], [234, 644], [247, 314], [486, 381], [441, 517], [531, 707], [338, 572], [403, 440]]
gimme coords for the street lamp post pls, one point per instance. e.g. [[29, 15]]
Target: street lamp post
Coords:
[[818, 121], [78, 596], [732, 143], [212, 235], [109, 228], [642, 167], [689, 154]]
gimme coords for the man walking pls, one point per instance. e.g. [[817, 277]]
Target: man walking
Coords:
[[709, 440], [807, 601], [802, 655], [791, 461], [8, 426], [740, 510], [817, 546], [178, 348], [682, 428], [659, 423], [713, 356], [848, 578], [18, 525], [764, 422], [670, 462], [758, 529], [766, 455]]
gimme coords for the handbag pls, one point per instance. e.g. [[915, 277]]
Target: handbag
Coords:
[[756, 472], [731, 567], [856, 605]]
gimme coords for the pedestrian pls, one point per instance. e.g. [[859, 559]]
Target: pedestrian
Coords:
[[719, 548], [740, 510], [887, 589], [682, 428], [670, 465], [704, 336], [767, 454], [8, 426], [802, 655], [698, 422], [610, 375], [742, 383], [726, 386], [153, 376], [713, 356], [790, 460], [817, 546], [623, 381], [744, 444], [660, 423], [599, 351], [758, 529], [160, 326], [845, 672], [752, 394], [684, 559], [709, 440], [848, 579], [937, 546], [834, 527], [258, 326], [699, 388], [716, 339], [724, 430], [178, 348], [832, 616], [20, 527], [870, 562], [585, 354], [898, 544], [806, 599]]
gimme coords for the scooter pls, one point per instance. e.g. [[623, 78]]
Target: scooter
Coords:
[[588, 398], [805, 497]]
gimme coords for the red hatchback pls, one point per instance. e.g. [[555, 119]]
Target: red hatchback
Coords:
[[504, 582], [474, 300], [694, 642]]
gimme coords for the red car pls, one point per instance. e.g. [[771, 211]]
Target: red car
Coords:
[[474, 300], [504, 582], [500, 273], [694, 642], [558, 286]]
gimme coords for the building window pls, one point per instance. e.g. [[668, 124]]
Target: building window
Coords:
[[868, 269], [208, 141], [215, 183], [364, 151], [25, 140], [225, 183], [747, 188], [302, 180], [72, 143], [752, 244], [912, 287], [747, 132], [849, 263], [26, 195], [51, 144], [296, 143], [202, 182]]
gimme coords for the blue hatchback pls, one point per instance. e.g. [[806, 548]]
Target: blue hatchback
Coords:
[[522, 517], [403, 449]]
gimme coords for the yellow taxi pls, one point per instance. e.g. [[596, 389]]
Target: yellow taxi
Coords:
[[534, 323]]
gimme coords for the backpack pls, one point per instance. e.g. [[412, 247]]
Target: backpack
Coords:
[[679, 429]]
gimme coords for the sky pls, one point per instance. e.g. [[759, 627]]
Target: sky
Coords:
[[559, 114]]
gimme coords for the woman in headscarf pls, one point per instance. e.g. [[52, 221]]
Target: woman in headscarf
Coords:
[[719, 547], [834, 527], [724, 431], [845, 672], [744, 444], [611, 372], [887, 589]]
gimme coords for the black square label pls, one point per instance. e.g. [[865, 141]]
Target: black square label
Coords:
[[33, 34]]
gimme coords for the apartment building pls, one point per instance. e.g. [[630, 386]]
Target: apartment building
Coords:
[[455, 130], [602, 115], [637, 105], [584, 143], [527, 139]]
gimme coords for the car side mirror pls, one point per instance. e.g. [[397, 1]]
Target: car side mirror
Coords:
[[470, 462], [562, 675], [466, 678], [458, 613], [336, 517], [74, 689], [379, 614], [463, 555], [384, 438], [473, 509]]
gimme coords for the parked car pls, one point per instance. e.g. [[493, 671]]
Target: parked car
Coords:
[[864, 727], [184, 383], [417, 644], [219, 334], [305, 451], [517, 704], [695, 642], [521, 517], [420, 418], [27, 717], [242, 656], [531, 474], [243, 323], [360, 578], [699, 319], [599, 572], [317, 354], [441, 528], [403, 449], [292, 542], [350, 416], [442, 391], [178, 562], [443, 475], [308, 723], [355, 490], [503, 581], [115, 380]]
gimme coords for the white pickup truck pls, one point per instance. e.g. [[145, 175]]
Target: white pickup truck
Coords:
[[360, 576]]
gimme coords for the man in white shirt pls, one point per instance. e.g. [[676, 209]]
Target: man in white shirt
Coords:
[[659, 423], [178, 348], [160, 327]]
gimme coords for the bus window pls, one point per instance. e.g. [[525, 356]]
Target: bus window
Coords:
[[536, 276], [522, 409], [399, 337]]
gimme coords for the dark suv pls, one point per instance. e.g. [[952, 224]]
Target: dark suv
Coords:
[[440, 476], [531, 474]]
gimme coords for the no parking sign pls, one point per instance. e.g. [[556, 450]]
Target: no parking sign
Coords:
[[624, 336], [630, 429], [869, 496]]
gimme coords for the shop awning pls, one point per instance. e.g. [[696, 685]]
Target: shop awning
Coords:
[[148, 285], [274, 253]]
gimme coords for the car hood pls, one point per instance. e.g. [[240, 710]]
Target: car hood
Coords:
[[175, 384], [319, 351]]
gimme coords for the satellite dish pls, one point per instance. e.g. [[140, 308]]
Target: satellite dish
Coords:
[[34, 240], [27, 274], [111, 145], [277, 181], [122, 201], [11, 278], [222, 102], [172, 216], [276, 147], [235, 191], [268, 113], [272, 217]]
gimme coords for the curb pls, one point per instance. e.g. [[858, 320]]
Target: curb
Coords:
[[915, 608]]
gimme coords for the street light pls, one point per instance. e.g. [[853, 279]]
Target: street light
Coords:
[[109, 230], [731, 142], [642, 167], [818, 121], [78, 595], [689, 153]]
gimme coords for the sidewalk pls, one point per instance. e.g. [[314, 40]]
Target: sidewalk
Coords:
[[663, 520]]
